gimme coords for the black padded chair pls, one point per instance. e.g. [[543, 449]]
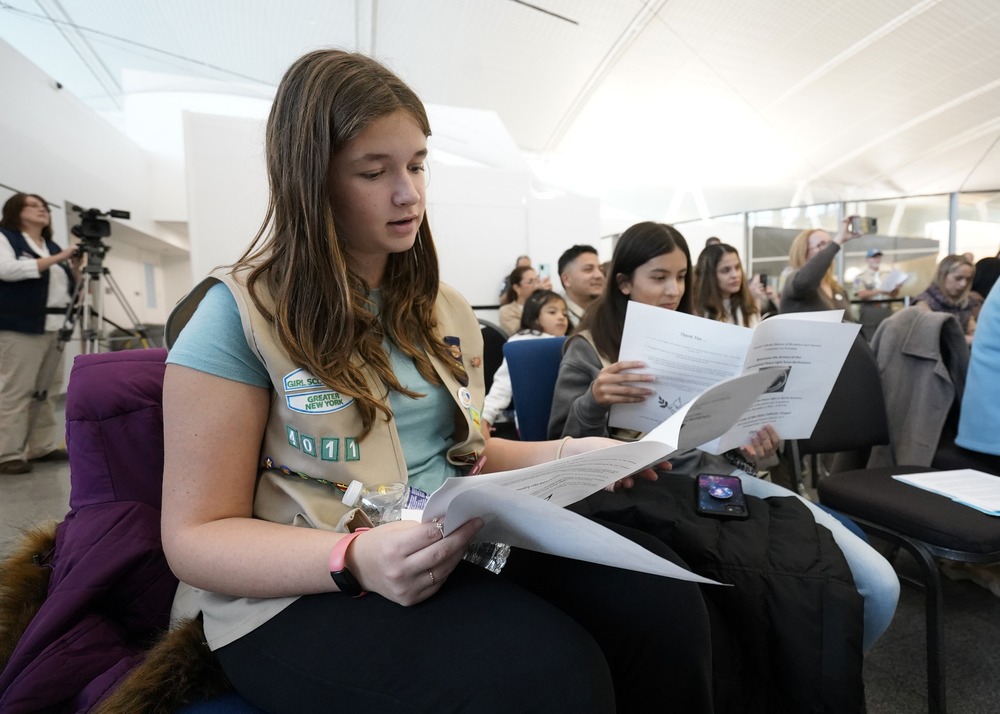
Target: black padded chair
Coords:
[[926, 525], [493, 341]]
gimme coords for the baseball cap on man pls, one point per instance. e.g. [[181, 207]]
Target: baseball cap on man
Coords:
[[873, 252]]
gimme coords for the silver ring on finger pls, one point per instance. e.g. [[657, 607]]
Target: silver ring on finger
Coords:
[[431, 573]]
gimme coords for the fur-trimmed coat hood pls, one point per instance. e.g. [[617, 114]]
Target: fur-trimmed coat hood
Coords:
[[85, 605]]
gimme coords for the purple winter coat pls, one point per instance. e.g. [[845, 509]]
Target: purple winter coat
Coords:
[[110, 589]]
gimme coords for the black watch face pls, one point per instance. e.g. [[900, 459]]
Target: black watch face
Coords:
[[347, 583]]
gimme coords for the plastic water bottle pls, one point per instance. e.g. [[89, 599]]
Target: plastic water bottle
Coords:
[[492, 556], [386, 502]]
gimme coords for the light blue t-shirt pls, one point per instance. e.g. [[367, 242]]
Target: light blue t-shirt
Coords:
[[213, 342], [977, 423]]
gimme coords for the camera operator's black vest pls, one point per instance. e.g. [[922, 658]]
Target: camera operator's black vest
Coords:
[[22, 302]]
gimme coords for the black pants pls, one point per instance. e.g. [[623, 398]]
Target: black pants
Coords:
[[787, 636], [548, 635]]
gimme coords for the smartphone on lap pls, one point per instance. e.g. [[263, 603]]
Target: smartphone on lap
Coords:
[[720, 496]]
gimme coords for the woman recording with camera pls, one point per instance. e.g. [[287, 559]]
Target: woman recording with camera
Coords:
[[37, 278]]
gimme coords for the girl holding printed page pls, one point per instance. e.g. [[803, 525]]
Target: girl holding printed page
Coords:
[[652, 265], [329, 353]]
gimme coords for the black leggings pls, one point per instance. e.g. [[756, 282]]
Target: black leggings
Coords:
[[548, 635]]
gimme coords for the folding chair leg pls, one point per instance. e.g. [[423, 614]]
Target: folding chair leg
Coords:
[[934, 621], [936, 695]]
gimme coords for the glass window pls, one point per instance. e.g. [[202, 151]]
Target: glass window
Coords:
[[772, 232], [978, 227], [912, 235], [728, 229], [978, 232]]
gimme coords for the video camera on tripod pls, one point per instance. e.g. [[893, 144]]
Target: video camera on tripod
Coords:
[[87, 303], [91, 229]]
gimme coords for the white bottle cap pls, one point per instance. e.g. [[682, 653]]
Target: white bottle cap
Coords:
[[353, 493]]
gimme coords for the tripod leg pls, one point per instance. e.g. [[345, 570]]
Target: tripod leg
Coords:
[[137, 329], [49, 373], [92, 315], [52, 362]]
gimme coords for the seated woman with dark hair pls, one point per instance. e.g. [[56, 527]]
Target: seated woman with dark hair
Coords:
[[522, 281], [651, 265], [987, 272], [721, 290]]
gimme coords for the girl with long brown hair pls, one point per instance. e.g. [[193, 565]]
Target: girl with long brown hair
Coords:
[[652, 265], [721, 291], [331, 353]]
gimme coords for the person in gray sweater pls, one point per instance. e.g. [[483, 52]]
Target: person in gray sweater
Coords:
[[651, 265]]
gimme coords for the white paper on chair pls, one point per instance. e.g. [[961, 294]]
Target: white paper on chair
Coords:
[[969, 487]]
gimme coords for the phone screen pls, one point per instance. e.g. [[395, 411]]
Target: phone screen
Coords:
[[720, 496], [543, 271], [864, 224]]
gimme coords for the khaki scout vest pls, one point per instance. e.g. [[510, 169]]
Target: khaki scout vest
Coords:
[[313, 430]]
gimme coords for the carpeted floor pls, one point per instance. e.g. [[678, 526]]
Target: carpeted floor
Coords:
[[895, 669]]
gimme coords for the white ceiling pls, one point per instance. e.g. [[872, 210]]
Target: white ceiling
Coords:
[[663, 108]]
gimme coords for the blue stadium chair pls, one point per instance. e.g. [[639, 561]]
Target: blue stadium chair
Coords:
[[533, 365]]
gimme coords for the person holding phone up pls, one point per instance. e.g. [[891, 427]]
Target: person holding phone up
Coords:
[[812, 285]]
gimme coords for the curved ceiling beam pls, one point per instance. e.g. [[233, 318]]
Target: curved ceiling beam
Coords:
[[91, 60], [642, 19]]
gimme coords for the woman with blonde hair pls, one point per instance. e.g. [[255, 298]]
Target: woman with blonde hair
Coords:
[[720, 287], [811, 285], [950, 292]]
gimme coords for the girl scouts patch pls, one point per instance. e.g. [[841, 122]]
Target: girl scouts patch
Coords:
[[306, 394]]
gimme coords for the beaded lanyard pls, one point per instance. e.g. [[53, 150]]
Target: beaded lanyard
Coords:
[[271, 465]]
